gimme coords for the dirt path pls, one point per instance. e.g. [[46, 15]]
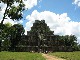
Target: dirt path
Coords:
[[50, 57]]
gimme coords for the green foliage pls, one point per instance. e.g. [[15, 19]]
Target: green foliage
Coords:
[[6, 44], [20, 56], [16, 33], [67, 55], [11, 1], [8, 24], [4, 35], [79, 47], [15, 13], [68, 40], [11, 35], [4, 31], [12, 11], [71, 41]]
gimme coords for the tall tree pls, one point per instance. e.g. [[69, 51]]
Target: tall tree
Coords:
[[11, 11], [17, 31], [73, 42]]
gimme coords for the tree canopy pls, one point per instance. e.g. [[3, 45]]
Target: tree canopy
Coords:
[[16, 32], [11, 35], [12, 11]]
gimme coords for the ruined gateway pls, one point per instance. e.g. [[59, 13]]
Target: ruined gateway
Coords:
[[40, 39]]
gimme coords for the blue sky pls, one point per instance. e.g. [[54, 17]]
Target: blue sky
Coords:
[[56, 6]]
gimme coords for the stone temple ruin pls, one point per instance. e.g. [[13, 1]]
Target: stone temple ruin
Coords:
[[40, 39]]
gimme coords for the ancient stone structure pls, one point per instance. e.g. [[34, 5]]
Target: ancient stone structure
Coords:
[[41, 39]]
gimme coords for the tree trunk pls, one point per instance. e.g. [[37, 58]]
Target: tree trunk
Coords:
[[5, 13]]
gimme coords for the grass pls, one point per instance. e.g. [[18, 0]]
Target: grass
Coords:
[[67, 55], [20, 56]]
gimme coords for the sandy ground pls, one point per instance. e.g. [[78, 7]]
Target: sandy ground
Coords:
[[50, 57]]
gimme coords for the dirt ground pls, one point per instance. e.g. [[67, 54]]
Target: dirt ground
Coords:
[[50, 57]]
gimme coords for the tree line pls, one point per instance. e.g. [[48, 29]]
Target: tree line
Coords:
[[68, 40]]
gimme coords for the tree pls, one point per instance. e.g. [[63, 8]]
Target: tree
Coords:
[[1, 33], [4, 36], [67, 40], [11, 35], [79, 47], [74, 42], [71, 41], [5, 45], [12, 11], [16, 33]]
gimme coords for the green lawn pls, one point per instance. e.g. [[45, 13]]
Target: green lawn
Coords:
[[20, 56], [67, 55]]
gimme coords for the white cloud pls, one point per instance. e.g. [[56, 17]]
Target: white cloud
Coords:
[[30, 3], [61, 24], [11, 21], [76, 2], [16, 4]]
